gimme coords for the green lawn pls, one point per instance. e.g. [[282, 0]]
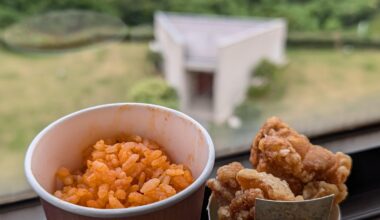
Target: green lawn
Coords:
[[324, 80], [324, 90], [37, 89]]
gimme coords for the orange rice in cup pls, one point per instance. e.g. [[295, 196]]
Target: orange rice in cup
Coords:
[[132, 172]]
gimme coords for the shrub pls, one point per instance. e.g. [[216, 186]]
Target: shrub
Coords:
[[247, 109], [265, 69], [258, 91], [298, 16], [141, 32], [156, 59], [332, 24], [302, 15], [64, 29], [155, 91], [266, 73], [8, 16]]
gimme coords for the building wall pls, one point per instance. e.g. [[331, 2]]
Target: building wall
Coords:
[[236, 59], [172, 51], [278, 45]]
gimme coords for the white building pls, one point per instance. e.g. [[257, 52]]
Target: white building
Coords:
[[209, 59]]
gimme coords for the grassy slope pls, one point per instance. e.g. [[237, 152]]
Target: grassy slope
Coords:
[[323, 81], [37, 89], [328, 81], [325, 89]]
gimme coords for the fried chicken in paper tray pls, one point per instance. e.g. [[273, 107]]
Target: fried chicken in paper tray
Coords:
[[287, 167]]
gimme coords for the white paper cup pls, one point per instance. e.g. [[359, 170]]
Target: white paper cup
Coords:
[[62, 143]]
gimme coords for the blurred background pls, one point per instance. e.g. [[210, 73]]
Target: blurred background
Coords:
[[229, 64]]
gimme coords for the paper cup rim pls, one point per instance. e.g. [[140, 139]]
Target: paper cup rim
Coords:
[[123, 212]]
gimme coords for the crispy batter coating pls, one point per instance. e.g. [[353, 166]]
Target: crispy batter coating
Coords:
[[227, 174], [224, 213], [244, 202], [321, 188], [280, 159], [242, 207], [222, 194], [275, 127], [281, 151], [294, 183], [225, 184], [271, 186]]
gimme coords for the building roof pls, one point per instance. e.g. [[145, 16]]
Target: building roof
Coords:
[[202, 35]]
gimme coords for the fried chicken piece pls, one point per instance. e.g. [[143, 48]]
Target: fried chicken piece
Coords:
[[281, 151], [225, 184], [271, 186], [318, 189], [244, 203], [329, 167], [278, 158], [242, 207], [275, 127], [222, 194], [227, 174], [294, 183], [224, 213]]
